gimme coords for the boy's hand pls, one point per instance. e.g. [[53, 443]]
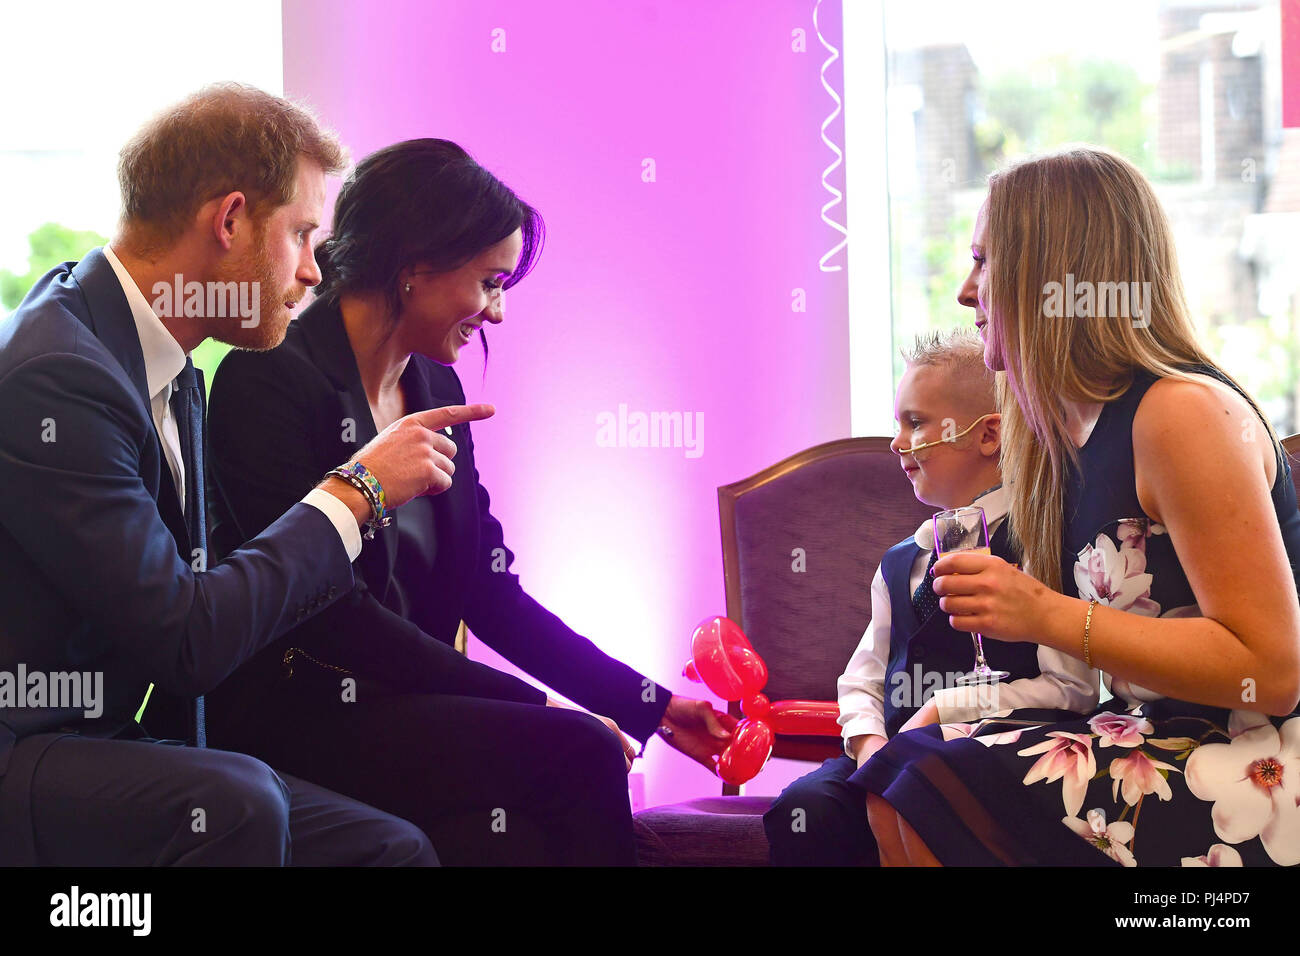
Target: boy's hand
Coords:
[[927, 714], [865, 746]]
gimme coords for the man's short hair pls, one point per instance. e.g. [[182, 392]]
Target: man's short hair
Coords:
[[225, 138], [959, 353]]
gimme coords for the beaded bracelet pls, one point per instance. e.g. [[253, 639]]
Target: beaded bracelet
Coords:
[[361, 478]]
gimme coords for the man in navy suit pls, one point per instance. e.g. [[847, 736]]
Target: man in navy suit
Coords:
[[105, 586]]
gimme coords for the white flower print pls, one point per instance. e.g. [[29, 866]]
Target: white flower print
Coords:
[[1133, 532], [1218, 855], [1140, 775], [1068, 756], [1116, 578], [1119, 730], [953, 731], [1111, 840], [1254, 783]]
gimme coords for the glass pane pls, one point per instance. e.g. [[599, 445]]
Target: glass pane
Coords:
[[1188, 91]]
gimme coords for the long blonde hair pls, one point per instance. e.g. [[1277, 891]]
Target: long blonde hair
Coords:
[[1088, 213]]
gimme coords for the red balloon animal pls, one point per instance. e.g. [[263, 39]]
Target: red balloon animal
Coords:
[[722, 658]]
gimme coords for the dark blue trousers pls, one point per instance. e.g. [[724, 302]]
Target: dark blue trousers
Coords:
[[821, 820], [95, 802]]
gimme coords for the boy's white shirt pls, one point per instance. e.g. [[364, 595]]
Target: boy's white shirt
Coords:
[[1065, 683]]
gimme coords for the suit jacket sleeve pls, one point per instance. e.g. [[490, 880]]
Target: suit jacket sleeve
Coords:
[[505, 618], [76, 498], [265, 409]]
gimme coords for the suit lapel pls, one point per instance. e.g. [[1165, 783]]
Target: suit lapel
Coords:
[[326, 341], [455, 511], [109, 318]]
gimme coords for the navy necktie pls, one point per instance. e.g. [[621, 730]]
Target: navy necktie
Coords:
[[187, 407], [924, 600]]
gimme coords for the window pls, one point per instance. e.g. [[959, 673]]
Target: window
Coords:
[[72, 101], [1188, 90]]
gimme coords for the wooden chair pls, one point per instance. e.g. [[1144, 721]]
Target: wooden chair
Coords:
[[800, 543], [1291, 445], [801, 540]]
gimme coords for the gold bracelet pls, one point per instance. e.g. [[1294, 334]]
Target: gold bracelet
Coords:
[[1087, 632]]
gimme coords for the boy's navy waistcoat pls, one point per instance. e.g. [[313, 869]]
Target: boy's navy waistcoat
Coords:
[[931, 648]]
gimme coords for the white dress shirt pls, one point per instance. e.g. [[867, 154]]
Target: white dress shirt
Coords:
[[1065, 682], [164, 359]]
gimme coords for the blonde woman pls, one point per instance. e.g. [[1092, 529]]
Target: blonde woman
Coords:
[[1159, 536]]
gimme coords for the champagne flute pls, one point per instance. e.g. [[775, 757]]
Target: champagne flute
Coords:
[[966, 529]]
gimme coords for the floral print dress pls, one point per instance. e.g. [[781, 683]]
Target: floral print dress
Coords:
[[1145, 780]]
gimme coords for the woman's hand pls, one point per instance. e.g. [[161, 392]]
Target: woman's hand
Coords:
[[696, 729], [982, 593], [629, 749]]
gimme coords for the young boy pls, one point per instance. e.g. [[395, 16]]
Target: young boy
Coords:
[[946, 397]]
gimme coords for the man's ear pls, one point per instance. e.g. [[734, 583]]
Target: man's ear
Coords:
[[227, 217]]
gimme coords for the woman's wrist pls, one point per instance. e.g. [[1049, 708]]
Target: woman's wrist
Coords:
[[1064, 618]]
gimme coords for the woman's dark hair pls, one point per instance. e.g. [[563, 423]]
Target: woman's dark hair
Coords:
[[420, 202]]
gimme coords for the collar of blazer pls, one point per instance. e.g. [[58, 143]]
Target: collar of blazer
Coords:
[[325, 340], [108, 316], [320, 333]]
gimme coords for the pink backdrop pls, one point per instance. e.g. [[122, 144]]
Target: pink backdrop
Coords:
[[671, 295]]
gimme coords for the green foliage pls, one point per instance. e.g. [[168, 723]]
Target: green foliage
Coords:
[[50, 245], [1063, 100], [207, 357]]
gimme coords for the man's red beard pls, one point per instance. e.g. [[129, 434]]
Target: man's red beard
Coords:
[[273, 315]]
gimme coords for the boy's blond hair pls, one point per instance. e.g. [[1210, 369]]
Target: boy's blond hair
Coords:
[[959, 353]]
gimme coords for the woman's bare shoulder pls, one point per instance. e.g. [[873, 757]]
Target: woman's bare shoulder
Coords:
[[1203, 416]]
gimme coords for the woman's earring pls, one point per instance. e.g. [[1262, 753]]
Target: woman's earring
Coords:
[[408, 288]]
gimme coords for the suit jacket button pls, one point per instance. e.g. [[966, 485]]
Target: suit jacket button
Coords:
[[333, 591]]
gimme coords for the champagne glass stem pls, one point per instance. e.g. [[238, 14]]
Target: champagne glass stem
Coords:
[[981, 664]]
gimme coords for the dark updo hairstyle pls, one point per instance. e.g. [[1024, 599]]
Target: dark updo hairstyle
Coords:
[[420, 202]]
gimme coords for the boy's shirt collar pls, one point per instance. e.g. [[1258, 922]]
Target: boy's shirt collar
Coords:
[[995, 502]]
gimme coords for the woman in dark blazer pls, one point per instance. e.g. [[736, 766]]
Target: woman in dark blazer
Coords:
[[370, 697]]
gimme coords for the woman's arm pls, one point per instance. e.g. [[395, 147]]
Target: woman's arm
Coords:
[[1199, 459], [507, 619], [269, 419]]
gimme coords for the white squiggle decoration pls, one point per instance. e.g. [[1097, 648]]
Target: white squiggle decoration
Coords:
[[839, 154]]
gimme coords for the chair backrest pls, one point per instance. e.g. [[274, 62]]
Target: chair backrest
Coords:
[[801, 541], [1291, 445]]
